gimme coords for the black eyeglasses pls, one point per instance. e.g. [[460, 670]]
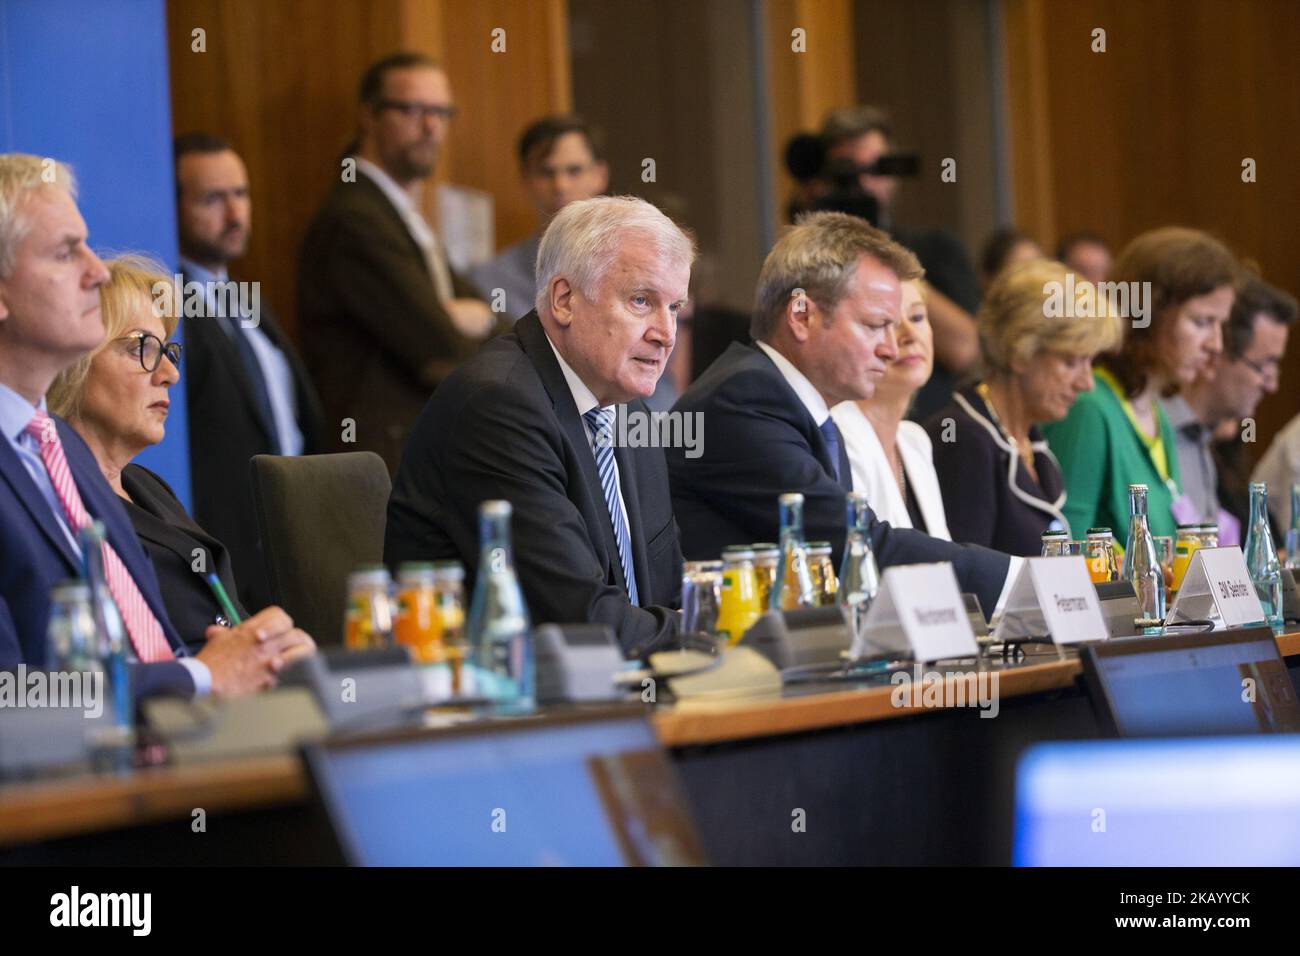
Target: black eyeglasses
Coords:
[[415, 111], [150, 349], [1265, 370]]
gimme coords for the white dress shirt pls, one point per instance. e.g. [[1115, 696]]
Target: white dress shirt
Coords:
[[816, 405], [275, 367], [586, 400], [874, 475], [476, 324], [416, 224]]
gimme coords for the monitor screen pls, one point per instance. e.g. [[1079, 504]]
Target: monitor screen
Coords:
[[1219, 682], [1221, 801], [543, 792]]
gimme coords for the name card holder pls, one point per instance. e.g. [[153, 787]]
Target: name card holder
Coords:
[[1052, 597], [918, 613], [1217, 588]]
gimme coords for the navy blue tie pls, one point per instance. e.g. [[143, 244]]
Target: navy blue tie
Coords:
[[831, 435], [253, 368], [601, 422]]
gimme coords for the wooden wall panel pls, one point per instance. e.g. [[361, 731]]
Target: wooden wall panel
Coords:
[[928, 66], [1154, 130], [279, 79], [501, 93], [672, 81], [803, 87]]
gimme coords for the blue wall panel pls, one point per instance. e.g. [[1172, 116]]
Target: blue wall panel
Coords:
[[85, 81]]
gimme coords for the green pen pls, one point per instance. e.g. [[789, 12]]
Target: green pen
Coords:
[[227, 606]]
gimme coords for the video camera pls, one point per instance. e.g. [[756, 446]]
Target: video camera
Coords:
[[837, 184]]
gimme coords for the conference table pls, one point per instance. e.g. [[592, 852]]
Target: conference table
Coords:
[[815, 774]]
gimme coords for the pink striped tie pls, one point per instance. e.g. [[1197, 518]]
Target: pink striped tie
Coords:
[[146, 633]]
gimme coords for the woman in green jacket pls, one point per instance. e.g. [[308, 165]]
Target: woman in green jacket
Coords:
[[1179, 286]]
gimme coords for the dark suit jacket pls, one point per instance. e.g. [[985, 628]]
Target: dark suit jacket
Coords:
[[226, 430], [36, 556], [505, 426], [760, 441], [170, 537], [376, 337], [981, 504]]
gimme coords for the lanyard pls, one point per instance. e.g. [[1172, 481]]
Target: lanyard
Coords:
[[1155, 447]]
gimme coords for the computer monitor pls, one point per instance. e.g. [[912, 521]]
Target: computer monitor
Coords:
[[1210, 801], [1215, 682], [584, 789]]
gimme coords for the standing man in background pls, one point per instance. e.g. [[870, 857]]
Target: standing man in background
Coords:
[[561, 160], [247, 389], [382, 315]]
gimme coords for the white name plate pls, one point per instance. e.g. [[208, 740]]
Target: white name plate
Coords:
[[919, 608], [1056, 597], [1217, 587]]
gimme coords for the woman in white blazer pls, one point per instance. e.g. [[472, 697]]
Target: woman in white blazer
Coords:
[[891, 458]]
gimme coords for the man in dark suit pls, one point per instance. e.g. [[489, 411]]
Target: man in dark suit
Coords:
[[829, 297], [383, 316], [248, 391], [530, 420], [52, 486]]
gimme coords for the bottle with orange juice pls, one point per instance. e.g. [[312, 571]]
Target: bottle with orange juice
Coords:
[[368, 619], [739, 602], [418, 624], [1100, 553], [1186, 545]]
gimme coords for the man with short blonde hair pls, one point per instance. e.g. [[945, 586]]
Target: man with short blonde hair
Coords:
[[829, 298]]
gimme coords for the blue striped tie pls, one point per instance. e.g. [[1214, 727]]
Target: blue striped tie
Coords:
[[601, 423]]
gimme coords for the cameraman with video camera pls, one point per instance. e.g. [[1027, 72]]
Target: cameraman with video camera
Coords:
[[849, 168]]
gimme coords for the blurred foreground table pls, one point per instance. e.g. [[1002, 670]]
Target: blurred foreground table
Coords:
[[824, 774]]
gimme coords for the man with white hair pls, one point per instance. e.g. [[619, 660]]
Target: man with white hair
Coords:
[[50, 485], [530, 419]]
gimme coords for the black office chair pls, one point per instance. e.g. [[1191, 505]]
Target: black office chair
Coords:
[[320, 516]]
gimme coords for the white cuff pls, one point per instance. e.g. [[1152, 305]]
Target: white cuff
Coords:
[[200, 673]]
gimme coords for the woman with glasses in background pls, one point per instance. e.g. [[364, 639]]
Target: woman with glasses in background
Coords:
[[116, 399]]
